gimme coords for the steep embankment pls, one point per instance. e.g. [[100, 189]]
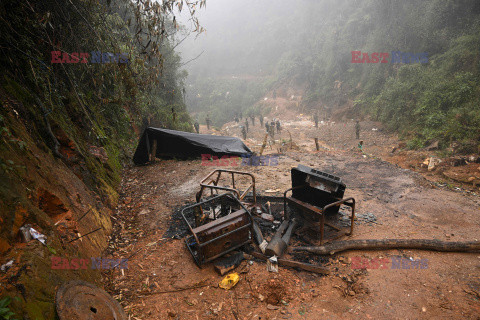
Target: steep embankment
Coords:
[[67, 125], [64, 195]]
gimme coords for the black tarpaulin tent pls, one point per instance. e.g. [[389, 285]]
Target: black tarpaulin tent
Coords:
[[184, 145]]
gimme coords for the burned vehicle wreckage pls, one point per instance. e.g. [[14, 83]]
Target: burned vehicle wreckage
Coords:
[[230, 222], [235, 220], [229, 219]]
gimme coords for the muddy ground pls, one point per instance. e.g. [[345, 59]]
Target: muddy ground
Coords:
[[163, 282]]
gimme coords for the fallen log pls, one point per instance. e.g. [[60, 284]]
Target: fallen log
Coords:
[[421, 244]]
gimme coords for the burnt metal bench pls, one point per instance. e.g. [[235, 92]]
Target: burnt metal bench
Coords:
[[318, 196], [223, 233], [212, 180]]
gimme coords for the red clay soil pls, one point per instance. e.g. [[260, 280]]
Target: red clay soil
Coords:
[[163, 282]]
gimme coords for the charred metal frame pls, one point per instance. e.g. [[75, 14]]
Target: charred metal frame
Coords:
[[350, 202], [226, 240], [211, 182]]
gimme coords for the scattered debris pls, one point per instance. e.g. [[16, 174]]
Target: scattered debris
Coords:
[[28, 233], [25, 233], [268, 217], [229, 281], [211, 181], [352, 284], [86, 234], [272, 190], [290, 263], [431, 163], [433, 145], [272, 264], [263, 246], [6, 266], [257, 210], [317, 196], [82, 300], [225, 233], [224, 265], [278, 245]]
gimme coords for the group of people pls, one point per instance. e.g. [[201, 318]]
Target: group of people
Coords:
[[196, 125], [269, 126]]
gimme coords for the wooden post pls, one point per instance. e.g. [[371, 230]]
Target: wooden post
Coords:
[[153, 151], [316, 144]]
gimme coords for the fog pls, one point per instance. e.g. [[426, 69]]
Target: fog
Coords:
[[306, 48], [242, 37]]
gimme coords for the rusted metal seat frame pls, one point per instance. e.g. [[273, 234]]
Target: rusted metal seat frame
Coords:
[[198, 260], [211, 182], [350, 202]]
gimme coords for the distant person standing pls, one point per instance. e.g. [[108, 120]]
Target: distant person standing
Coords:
[[357, 129], [246, 123], [279, 128], [267, 126], [244, 133], [272, 131], [261, 121], [315, 118], [207, 120], [197, 126]]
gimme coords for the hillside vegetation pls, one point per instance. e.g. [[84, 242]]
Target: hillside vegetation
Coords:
[[79, 81], [309, 44]]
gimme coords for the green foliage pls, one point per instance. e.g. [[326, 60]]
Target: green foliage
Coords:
[[439, 100], [105, 99], [223, 99], [5, 312], [6, 165]]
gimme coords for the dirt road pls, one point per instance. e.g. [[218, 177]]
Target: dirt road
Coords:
[[162, 281]]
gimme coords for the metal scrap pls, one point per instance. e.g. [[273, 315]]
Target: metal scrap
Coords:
[[317, 195]]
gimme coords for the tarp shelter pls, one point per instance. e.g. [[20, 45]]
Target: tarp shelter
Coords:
[[184, 145]]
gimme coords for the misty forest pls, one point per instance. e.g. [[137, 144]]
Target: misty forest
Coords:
[[259, 47], [114, 112]]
